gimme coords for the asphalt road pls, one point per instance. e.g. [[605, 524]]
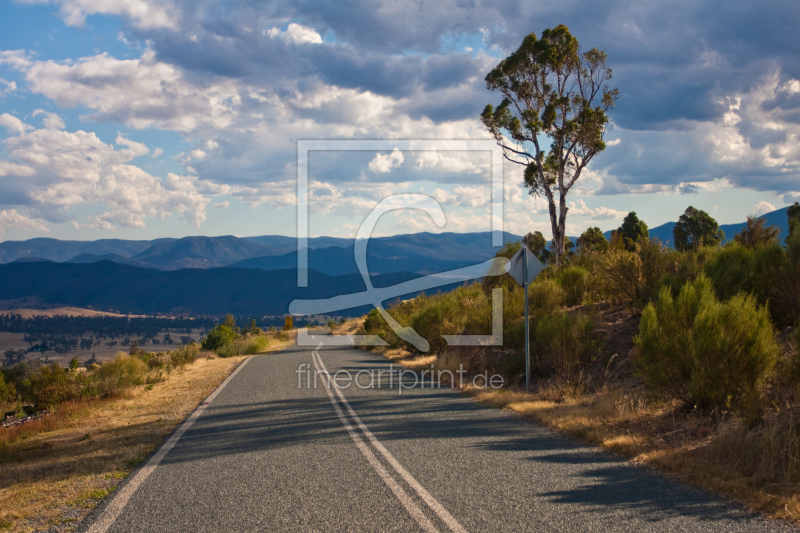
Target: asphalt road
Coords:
[[268, 455]]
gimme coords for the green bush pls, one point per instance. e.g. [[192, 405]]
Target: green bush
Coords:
[[7, 391], [545, 297], [122, 372], [635, 276], [731, 270], [707, 353], [52, 385], [776, 279], [248, 346], [184, 355], [563, 343], [573, 280], [218, 337]]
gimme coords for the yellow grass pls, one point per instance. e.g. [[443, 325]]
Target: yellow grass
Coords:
[[54, 477], [622, 422]]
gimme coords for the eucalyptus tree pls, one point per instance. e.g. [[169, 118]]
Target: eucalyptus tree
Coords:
[[552, 117]]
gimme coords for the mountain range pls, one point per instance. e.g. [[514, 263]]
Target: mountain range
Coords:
[[241, 275]]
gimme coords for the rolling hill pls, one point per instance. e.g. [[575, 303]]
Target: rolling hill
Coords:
[[110, 286]]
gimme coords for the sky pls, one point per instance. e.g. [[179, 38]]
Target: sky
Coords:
[[140, 119]]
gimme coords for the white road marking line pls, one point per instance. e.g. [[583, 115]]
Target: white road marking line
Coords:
[[446, 517], [412, 508], [120, 500]]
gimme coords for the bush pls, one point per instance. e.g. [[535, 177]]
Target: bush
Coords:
[[635, 276], [218, 337], [776, 279], [120, 373], [7, 391], [731, 270], [705, 353], [545, 297], [184, 355], [52, 385], [573, 280], [248, 346], [563, 343]]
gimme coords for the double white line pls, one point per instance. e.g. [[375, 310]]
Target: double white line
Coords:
[[359, 440]]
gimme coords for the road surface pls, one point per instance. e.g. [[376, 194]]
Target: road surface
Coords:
[[268, 455]]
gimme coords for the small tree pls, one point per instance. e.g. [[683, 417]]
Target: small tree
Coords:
[[537, 244], [696, 228], [592, 240], [756, 234], [793, 214], [551, 90], [632, 231]]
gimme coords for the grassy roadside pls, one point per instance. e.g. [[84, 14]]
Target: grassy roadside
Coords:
[[622, 418], [73, 459]]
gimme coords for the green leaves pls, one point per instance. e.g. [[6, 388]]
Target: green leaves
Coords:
[[696, 228], [552, 90]]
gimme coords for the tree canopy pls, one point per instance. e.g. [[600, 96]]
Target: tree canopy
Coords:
[[593, 240], [632, 231], [756, 234], [696, 228], [551, 90], [537, 244]]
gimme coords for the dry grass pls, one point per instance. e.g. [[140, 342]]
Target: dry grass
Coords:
[[58, 468], [747, 464], [63, 311]]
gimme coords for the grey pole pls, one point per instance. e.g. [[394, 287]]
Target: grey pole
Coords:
[[527, 336]]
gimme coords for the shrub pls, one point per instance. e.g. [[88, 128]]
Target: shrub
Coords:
[[777, 279], [731, 270], [52, 385], [709, 354], [545, 297], [184, 355], [7, 391], [218, 337], [563, 343], [635, 276], [120, 373], [573, 280], [248, 346]]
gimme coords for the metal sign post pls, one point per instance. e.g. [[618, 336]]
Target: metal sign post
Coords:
[[527, 323], [524, 267]]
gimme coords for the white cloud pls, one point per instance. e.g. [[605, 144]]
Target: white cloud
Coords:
[[384, 163], [597, 213], [763, 207], [10, 218], [139, 92], [13, 125], [223, 205], [143, 13], [296, 34], [64, 169], [456, 162], [10, 86], [51, 120]]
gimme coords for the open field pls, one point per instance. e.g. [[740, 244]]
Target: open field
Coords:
[[101, 351], [61, 311], [72, 459]]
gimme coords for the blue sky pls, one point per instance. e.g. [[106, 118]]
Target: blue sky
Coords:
[[143, 118]]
